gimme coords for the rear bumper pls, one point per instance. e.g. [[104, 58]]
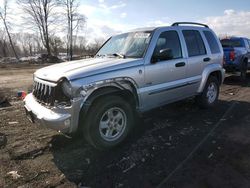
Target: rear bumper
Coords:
[[231, 67], [63, 119]]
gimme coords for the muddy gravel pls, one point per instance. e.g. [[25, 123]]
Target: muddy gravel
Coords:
[[179, 145]]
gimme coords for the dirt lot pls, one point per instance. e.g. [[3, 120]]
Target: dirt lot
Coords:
[[179, 145]]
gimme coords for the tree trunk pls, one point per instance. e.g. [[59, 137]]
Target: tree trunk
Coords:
[[4, 49], [48, 46], [70, 17], [10, 40], [68, 34], [71, 37], [31, 50], [46, 29]]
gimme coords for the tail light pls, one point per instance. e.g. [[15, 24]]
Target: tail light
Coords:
[[232, 56]]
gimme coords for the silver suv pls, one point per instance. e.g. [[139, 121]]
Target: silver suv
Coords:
[[132, 73]]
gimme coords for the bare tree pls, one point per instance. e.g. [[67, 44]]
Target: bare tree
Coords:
[[56, 44], [95, 45], [3, 17], [80, 45], [40, 14], [38, 43], [75, 22], [98, 42], [4, 47], [30, 43], [27, 43]]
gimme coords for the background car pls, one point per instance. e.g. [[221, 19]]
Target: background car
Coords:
[[236, 55]]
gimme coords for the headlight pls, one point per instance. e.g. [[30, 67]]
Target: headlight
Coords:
[[71, 92], [67, 88]]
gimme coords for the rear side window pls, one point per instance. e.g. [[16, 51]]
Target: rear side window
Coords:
[[212, 42], [195, 44], [169, 39], [231, 43]]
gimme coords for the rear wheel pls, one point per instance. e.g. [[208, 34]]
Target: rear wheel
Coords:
[[108, 122], [243, 72], [209, 96]]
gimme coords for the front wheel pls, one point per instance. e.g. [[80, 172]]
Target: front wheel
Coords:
[[209, 96], [108, 122]]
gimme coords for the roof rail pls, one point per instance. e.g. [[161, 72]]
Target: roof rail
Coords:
[[189, 23]]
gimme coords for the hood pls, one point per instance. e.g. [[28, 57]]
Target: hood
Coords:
[[83, 68]]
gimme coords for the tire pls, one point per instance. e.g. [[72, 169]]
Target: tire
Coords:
[[243, 72], [108, 122], [209, 97]]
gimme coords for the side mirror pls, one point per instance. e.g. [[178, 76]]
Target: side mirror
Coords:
[[162, 55]]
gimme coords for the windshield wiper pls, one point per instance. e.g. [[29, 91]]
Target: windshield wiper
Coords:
[[100, 55], [118, 55]]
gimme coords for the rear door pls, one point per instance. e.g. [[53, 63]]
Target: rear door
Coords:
[[214, 49], [197, 58]]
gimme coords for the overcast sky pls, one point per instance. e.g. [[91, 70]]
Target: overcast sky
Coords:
[[108, 17]]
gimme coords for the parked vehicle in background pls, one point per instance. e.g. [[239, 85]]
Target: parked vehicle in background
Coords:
[[236, 55], [132, 73]]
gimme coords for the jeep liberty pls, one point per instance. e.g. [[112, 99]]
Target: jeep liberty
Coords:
[[132, 73]]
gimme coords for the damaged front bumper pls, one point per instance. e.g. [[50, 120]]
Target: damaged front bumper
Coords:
[[61, 118]]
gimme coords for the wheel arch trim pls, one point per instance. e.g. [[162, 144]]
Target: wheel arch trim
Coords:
[[207, 72]]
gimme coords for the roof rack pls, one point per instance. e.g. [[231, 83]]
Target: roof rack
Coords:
[[189, 23]]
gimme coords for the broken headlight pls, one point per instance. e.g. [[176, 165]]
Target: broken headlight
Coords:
[[67, 88], [71, 92]]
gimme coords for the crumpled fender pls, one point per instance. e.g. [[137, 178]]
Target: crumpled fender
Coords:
[[109, 86]]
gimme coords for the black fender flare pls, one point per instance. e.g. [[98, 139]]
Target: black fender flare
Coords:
[[118, 87]]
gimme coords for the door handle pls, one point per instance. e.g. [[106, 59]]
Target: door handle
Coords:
[[207, 59], [181, 64]]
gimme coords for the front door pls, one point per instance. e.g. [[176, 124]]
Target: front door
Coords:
[[164, 78]]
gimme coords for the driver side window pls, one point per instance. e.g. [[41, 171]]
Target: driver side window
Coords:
[[169, 40]]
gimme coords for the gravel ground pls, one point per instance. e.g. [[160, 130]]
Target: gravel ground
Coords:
[[178, 145]]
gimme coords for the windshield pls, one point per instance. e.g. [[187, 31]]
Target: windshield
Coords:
[[126, 45], [231, 43]]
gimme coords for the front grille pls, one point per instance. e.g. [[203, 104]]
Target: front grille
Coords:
[[44, 93]]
